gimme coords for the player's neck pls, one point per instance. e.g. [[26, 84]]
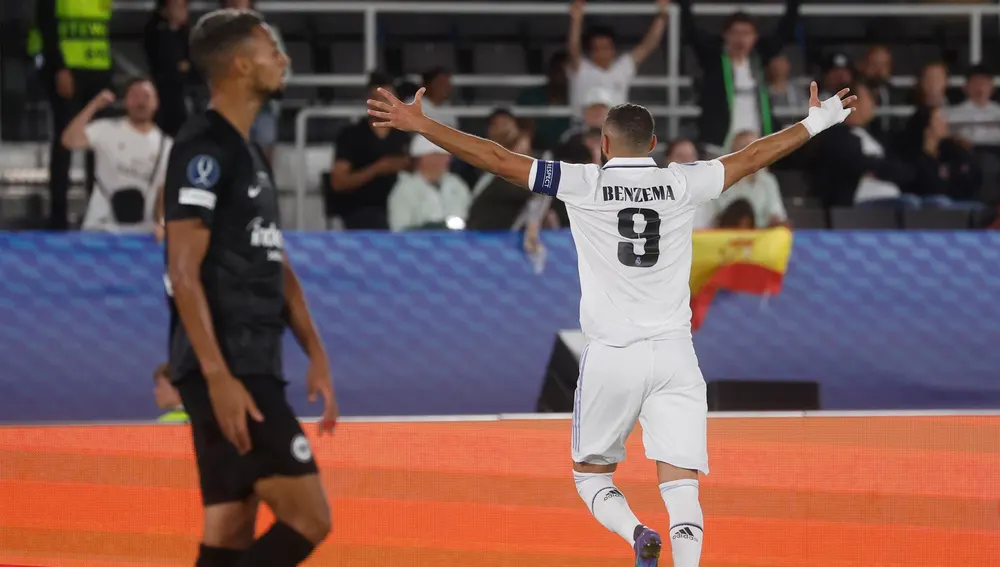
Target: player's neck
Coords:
[[238, 109]]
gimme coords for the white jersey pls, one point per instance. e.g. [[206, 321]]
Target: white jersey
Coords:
[[632, 221], [124, 158]]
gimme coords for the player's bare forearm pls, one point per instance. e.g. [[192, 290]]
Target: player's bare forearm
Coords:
[[187, 244], [762, 153], [478, 152], [299, 317]]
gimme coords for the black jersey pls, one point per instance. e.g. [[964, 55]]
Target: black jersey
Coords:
[[215, 175]]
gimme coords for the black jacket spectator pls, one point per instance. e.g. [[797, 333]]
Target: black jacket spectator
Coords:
[[716, 87], [379, 158], [497, 206], [838, 164], [166, 43], [940, 166]]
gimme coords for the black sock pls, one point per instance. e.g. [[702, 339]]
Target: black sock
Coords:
[[281, 546], [217, 556]]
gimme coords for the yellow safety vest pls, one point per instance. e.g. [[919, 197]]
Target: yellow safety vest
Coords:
[[175, 416], [84, 34]]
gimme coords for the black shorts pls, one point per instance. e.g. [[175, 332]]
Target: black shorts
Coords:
[[279, 446]]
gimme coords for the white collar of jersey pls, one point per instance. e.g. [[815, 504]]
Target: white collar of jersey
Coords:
[[630, 162]]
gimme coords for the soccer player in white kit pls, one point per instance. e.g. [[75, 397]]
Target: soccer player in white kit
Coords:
[[631, 221]]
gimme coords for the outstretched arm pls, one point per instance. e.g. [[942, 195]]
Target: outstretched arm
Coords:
[[574, 40], [483, 154], [771, 45], [770, 149], [653, 36]]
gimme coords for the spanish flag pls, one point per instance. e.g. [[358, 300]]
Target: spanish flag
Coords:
[[746, 261]]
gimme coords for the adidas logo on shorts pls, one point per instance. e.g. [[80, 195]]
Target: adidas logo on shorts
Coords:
[[684, 533]]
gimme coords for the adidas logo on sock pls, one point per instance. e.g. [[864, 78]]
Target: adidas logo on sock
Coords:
[[613, 493], [684, 533]]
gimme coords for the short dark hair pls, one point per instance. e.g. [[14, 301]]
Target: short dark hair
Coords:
[[433, 73], [979, 70], [217, 33], [599, 31], [735, 214], [738, 18], [500, 112], [572, 151], [133, 81], [632, 124]]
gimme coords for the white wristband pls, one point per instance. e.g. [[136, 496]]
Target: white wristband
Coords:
[[813, 123]]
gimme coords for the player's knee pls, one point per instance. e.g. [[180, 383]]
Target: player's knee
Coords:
[[314, 521], [666, 472], [230, 525]]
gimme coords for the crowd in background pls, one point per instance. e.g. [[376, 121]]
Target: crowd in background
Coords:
[[943, 156]]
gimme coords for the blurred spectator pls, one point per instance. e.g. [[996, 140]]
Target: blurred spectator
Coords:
[[932, 85], [836, 74], [759, 190], [875, 70], [977, 120], [733, 91], [681, 150], [738, 215], [74, 72], [166, 42], [555, 92], [365, 167], [497, 203], [783, 93], [167, 397], [850, 166], [264, 131], [502, 127], [437, 81], [131, 155], [945, 174], [431, 196], [603, 67], [595, 109]]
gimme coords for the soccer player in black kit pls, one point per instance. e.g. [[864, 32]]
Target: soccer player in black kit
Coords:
[[236, 293]]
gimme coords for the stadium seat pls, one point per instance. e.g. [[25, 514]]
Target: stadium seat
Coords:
[[349, 57], [936, 219], [802, 203], [851, 218], [499, 59], [420, 57], [803, 217]]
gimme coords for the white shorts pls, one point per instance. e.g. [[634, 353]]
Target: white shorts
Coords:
[[657, 383]]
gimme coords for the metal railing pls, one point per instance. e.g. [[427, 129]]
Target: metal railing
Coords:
[[672, 82]]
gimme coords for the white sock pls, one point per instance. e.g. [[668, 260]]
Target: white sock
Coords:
[[606, 503], [686, 521]]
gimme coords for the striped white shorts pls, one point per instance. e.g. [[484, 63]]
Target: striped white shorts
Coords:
[[658, 384]]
